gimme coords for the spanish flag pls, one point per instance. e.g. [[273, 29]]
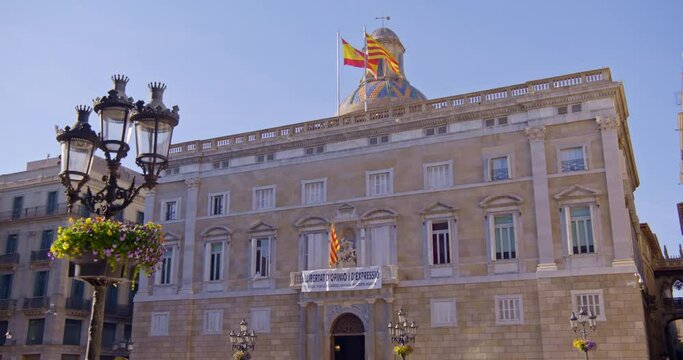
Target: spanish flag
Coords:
[[334, 246], [356, 58], [377, 51]]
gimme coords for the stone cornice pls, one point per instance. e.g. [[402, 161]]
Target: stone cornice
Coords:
[[407, 122]]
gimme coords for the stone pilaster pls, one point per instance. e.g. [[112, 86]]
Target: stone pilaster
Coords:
[[150, 199], [539, 173], [186, 284], [370, 331], [619, 218]]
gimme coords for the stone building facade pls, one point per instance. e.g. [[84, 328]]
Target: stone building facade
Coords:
[[47, 312], [491, 215]]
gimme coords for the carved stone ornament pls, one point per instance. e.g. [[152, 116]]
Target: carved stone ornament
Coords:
[[607, 123], [348, 324], [192, 182], [335, 312], [535, 133]]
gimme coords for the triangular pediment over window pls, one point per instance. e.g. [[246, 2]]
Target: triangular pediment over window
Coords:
[[439, 208], [576, 192], [217, 231], [505, 200], [171, 237], [346, 211], [261, 227], [311, 221]]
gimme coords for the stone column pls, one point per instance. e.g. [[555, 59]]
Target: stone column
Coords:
[[186, 284], [539, 174], [619, 217]]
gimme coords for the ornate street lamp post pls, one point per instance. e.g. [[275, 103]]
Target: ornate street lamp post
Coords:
[[584, 325], [153, 124], [125, 346], [243, 341], [402, 334]]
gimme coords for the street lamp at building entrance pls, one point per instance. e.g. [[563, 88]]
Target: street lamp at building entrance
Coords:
[[402, 334]]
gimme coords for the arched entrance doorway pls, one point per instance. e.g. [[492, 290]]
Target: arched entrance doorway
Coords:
[[348, 338]]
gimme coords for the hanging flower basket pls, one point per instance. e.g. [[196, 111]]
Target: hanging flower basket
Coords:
[[403, 350], [241, 355], [106, 248], [584, 344]]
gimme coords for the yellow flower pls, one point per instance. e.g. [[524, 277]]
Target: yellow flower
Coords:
[[109, 233], [65, 246], [88, 221]]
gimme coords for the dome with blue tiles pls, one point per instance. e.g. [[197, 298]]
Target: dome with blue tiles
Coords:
[[388, 88]]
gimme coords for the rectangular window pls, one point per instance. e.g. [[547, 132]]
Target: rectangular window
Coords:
[[261, 257], [440, 242], [166, 267], [108, 334], [159, 324], [501, 121], [315, 150], [576, 108], [504, 231], [443, 312], [4, 326], [436, 130], [40, 284], [36, 327], [313, 192], [72, 332], [264, 198], [215, 259], [509, 310], [380, 245], [51, 205], [5, 286], [438, 176], [379, 183], [382, 139], [222, 164], [11, 244], [46, 239], [591, 301], [17, 207], [561, 110], [218, 204], [581, 230], [499, 168], [139, 217], [316, 251], [213, 321], [572, 159], [264, 158], [170, 210]]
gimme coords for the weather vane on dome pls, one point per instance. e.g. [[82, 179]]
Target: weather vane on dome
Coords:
[[387, 18]]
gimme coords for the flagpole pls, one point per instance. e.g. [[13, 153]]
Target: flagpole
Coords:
[[337, 73], [365, 70]]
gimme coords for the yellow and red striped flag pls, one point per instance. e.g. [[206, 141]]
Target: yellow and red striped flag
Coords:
[[334, 246], [356, 58], [377, 51]]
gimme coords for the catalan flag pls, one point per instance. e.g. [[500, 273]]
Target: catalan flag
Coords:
[[334, 246], [377, 51], [356, 58]]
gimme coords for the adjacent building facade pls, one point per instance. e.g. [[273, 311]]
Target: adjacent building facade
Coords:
[[490, 216], [46, 312]]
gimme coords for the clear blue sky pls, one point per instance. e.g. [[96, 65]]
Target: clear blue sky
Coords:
[[245, 65]]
